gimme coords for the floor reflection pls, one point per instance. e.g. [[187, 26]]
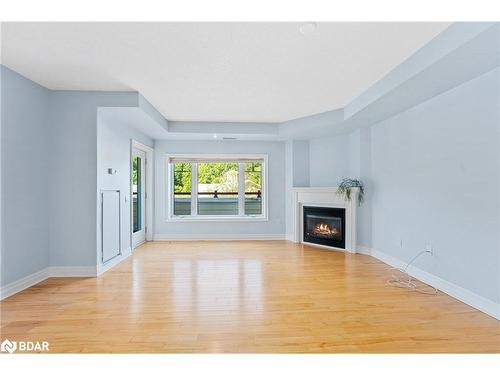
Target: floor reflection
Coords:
[[217, 286], [252, 285], [182, 284]]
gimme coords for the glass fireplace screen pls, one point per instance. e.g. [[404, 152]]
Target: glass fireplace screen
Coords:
[[324, 227]]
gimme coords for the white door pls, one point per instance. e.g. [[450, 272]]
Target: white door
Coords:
[[110, 226], [138, 173]]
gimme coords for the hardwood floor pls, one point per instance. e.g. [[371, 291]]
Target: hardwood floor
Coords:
[[257, 297]]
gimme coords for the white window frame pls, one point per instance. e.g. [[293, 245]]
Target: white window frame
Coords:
[[194, 188]]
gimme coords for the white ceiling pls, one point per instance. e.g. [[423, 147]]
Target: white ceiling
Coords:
[[241, 72]]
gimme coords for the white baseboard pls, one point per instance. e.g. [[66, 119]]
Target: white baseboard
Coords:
[[363, 250], [72, 271], [219, 237], [37, 277], [58, 271], [23, 283], [464, 295], [101, 268], [331, 248]]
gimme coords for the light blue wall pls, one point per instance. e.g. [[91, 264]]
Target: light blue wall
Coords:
[[435, 179], [25, 174], [364, 168], [73, 165], [49, 173], [333, 158], [296, 175], [300, 163], [113, 151], [276, 187], [432, 176], [427, 150], [329, 160]]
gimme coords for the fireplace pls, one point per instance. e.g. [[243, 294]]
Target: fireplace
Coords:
[[304, 198], [324, 226]]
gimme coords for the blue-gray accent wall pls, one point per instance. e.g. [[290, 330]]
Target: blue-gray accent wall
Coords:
[[432, 176], [435, 180], [49, 174], [25, 175], [73, 180]]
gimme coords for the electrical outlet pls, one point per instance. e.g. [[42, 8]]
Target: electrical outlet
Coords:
[[429, 249]]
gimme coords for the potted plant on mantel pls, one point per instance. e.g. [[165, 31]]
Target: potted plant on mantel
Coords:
[[345, 187]]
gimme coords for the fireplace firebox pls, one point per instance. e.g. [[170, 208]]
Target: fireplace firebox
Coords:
[[324, 226]]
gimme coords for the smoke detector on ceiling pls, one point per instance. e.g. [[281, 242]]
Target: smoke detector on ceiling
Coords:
[[307, 28]]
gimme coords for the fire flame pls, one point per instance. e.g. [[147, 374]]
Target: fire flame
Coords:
[[325, 229]]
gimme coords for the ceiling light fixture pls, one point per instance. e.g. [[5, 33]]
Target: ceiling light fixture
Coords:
[[307, 28]]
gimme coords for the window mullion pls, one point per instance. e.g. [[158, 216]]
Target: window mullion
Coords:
[[194, 189], [241, 189], [171, 195]]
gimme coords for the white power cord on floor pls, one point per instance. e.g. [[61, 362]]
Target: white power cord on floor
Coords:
[[404, 280]]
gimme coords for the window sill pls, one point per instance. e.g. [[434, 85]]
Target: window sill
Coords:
[[188, 219]]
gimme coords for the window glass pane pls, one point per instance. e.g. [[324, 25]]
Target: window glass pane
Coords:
[[182, 188], [136, 194], [253, 188], [218, 189]]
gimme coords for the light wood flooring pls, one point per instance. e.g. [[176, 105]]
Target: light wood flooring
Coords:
[[250, 297]]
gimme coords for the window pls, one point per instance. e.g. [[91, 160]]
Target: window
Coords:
[[182, 188], [218, 188], [136, 193], [203, 187], [253, 188]]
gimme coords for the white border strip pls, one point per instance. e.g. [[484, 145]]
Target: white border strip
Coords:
[[219, 237], [466, 296]]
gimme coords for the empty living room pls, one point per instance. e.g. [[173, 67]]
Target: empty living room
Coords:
[[240, 186]]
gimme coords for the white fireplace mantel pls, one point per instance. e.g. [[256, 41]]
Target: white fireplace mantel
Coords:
[[324, 197]]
